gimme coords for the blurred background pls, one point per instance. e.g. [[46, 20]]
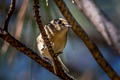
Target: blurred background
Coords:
[[14, 65]]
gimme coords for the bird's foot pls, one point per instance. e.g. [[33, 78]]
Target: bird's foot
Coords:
[[48, 60], [57, 54]]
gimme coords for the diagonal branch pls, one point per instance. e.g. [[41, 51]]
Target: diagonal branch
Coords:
[[31, 54], [4, 34], [91, 46], [42, 31], [58, 70], [27, 51], [12, 8], [103, 25], [44, 36]]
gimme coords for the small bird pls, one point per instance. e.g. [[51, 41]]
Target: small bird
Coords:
[[56, 31]]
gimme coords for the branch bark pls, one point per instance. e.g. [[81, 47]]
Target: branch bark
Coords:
[[11, 10], [44, 36], [4, 34], [90, 45], [31, 54], [103, 25], [27, 51], [58, 69]]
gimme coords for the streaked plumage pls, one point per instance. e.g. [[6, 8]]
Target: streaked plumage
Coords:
[[57, 33]]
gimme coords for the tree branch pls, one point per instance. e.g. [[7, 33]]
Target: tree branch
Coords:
[[4, 34], [11, 10], [44, 36], [91, 46], [103, 25], [58, 69], [30, 53], [27, 51]]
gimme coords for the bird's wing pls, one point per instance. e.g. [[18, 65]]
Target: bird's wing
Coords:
[[40, 43]]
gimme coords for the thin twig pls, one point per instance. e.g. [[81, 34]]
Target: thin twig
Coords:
[[11, 10], [91, 46], [42, 31], [19, 24], [58, 70], [103, 25]]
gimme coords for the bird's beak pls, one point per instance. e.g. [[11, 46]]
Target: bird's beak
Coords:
[[67, 25]]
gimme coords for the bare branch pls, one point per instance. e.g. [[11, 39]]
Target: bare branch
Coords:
[[19, 24], [11, 10], [27, 51], [58, 70], [44, 36], [91, 46], [21, 47], [30, 53], [103, 25]]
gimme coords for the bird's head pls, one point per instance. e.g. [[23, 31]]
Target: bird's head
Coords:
[[60, 24]]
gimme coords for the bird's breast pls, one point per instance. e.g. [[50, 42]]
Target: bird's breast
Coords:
[[59, 42]]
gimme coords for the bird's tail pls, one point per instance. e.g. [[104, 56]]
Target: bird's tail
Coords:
[[64, 67]]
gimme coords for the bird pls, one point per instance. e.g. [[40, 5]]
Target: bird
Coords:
[[56, 31]]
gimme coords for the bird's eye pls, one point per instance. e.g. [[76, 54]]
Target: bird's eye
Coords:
[[55, 20], [59, 22]]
